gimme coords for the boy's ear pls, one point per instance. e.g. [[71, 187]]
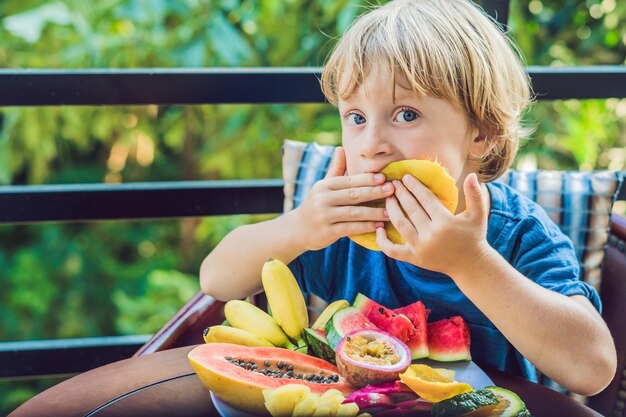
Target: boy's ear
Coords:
[[481, 146]]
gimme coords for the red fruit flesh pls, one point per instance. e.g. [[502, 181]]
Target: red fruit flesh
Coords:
[[385, 319], [417, 313], [449, 340]]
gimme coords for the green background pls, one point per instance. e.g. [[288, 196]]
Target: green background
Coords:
[[117, 278]]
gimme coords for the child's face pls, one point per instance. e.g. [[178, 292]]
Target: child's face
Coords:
[[377, 130]]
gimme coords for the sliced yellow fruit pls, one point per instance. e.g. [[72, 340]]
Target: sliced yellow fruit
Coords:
[[347, 410], [433, 384], [280, 402], [307, 406]]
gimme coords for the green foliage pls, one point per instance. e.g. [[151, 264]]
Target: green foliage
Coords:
[[79, 280]]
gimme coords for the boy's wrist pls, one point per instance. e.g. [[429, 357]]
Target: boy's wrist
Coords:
[[474, 264], [293, 231]]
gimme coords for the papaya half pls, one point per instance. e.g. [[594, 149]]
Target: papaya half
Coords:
[[239, 374], [432, 175]]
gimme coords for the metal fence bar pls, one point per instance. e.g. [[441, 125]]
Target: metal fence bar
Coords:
[[147, 200], [498, 9], [246, 85], [65, 356]]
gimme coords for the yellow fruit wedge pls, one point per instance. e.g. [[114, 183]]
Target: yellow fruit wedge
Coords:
[[280, 402], [433, 384], [347, 410], [331, 399], [432, 175], [307, 406]]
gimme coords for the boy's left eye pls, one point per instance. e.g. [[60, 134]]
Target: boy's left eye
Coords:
[[406, 115]]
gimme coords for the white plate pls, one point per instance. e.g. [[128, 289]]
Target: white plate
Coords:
[[226, 410], [464, 371], [467, 372]]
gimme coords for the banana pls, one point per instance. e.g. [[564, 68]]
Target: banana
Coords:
[[328, 312], [285, 298], [227, 334], [248, 317]]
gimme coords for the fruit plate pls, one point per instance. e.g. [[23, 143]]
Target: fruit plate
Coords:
[[467, 372], [464, 371], [226, 410]]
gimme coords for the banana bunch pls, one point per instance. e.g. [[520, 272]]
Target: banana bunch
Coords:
[[285, 299], [248, 325], [297, 400]]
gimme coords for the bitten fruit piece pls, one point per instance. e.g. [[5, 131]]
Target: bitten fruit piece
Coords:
[[432, 175]]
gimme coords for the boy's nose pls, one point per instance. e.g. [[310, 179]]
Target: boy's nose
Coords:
[[375, 143]]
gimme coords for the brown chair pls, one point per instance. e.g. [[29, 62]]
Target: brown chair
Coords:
[[610, 402], [186, 327]]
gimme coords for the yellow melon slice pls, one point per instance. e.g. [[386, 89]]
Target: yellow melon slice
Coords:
[[433, 384], [432, 175]]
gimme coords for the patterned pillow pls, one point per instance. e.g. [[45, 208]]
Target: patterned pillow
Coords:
[[579, 202]]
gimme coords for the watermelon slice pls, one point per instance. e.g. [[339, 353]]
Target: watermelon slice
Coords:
[[417, 313], [343, 322], [449, 340], [406, 323]]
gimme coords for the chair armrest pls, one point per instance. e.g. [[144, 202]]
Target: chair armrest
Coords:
[[186, 327], [613, 294]]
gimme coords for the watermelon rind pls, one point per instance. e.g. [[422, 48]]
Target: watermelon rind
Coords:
[[515, 407], [463, 404], [318, 345], [449, 340]]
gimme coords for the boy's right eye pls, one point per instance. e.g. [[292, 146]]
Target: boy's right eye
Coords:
[[356, 119]]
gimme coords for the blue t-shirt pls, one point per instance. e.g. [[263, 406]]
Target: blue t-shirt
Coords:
[[518, 228]]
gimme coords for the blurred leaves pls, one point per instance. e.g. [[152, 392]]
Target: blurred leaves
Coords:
[[79, 280]]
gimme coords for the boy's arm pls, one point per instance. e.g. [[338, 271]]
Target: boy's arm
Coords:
[[331, 209], [233, 269], [562, 336]]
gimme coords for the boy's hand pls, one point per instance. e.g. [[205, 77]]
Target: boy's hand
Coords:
[[332, 208], [435, 238]]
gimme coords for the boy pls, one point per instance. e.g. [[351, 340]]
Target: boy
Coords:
[[432, 79]]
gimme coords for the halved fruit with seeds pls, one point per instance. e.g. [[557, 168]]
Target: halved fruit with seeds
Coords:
[[239, 374], [371, 356]]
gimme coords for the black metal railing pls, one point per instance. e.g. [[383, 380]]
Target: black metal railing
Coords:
[[150, 200], [160, 86]]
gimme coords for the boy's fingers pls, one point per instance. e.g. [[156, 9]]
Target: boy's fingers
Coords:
[[367, 179], [357, 214], [426, 198], [337, 165], [393, 250], [474, 201]]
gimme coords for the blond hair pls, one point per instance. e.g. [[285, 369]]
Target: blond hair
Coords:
[[448, 49]]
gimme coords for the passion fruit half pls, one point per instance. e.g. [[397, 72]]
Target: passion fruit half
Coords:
[[371, 356], [432, 175]]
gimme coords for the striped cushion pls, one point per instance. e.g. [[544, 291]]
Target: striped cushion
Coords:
[[579, 202]]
